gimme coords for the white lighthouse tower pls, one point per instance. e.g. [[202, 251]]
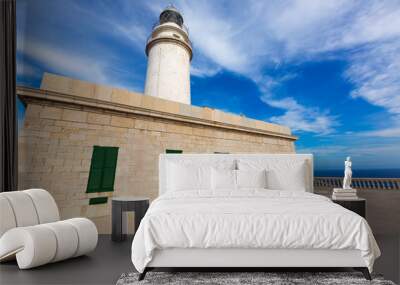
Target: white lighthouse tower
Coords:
[[169, 54]]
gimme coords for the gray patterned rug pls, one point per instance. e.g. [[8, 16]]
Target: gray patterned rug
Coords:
[[269, 278]]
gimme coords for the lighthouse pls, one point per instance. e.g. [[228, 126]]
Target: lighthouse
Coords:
[[169, 53]]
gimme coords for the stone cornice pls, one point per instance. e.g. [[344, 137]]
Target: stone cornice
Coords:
[[28, 95]]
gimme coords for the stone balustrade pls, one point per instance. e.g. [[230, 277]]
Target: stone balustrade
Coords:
[[325, 183]]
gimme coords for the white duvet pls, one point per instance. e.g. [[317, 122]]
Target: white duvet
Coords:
[[250, 219]]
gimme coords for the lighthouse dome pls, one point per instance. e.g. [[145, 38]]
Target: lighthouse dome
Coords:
[[171, 15]]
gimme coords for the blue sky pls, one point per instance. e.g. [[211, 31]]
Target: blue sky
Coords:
[[330, 70]]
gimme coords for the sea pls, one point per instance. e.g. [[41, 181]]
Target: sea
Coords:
[[359, 173]]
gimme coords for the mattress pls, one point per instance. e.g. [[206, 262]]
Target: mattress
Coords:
[[250, 219]]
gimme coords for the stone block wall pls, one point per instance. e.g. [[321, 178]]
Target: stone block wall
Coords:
[[56, 144], [66, 118]]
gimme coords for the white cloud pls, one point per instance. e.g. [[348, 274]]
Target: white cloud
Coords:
[[300, 118], [211, 35], [89, 67], [114, 19], [386, 133], [245, 38], [134, 33], [308, 28], [237, 39], [254, 37], [87, 48], [372, 22], [27, 70], [258, 36], [306, 121], [203, 71], [389, 132], [375, 73], [56, 59]]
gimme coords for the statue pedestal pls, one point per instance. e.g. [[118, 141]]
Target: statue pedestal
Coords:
[[344, 194]]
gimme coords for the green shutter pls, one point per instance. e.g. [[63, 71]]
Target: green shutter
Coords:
[[96, 170], [94, 183], [98, 200], [173, 151], [109, 168], [102, 169]]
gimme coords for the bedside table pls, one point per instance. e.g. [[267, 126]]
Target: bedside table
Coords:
[[139, 205], [357, 205]]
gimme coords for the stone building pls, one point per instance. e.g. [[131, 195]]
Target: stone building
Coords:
[[85, 142]]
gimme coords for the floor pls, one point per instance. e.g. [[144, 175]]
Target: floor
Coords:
[[103, 266], [110, 260], [383, 211]]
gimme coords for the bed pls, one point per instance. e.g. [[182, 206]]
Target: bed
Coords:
[[247, 210]]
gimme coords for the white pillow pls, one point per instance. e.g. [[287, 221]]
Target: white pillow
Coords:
[[251, 178], [293, 179], [282, 174], [184, 178], [223, 179]]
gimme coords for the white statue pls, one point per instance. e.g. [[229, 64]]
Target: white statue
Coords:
[[347, 174]]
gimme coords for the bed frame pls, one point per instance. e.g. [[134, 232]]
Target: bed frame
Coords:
[[242, 259]]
